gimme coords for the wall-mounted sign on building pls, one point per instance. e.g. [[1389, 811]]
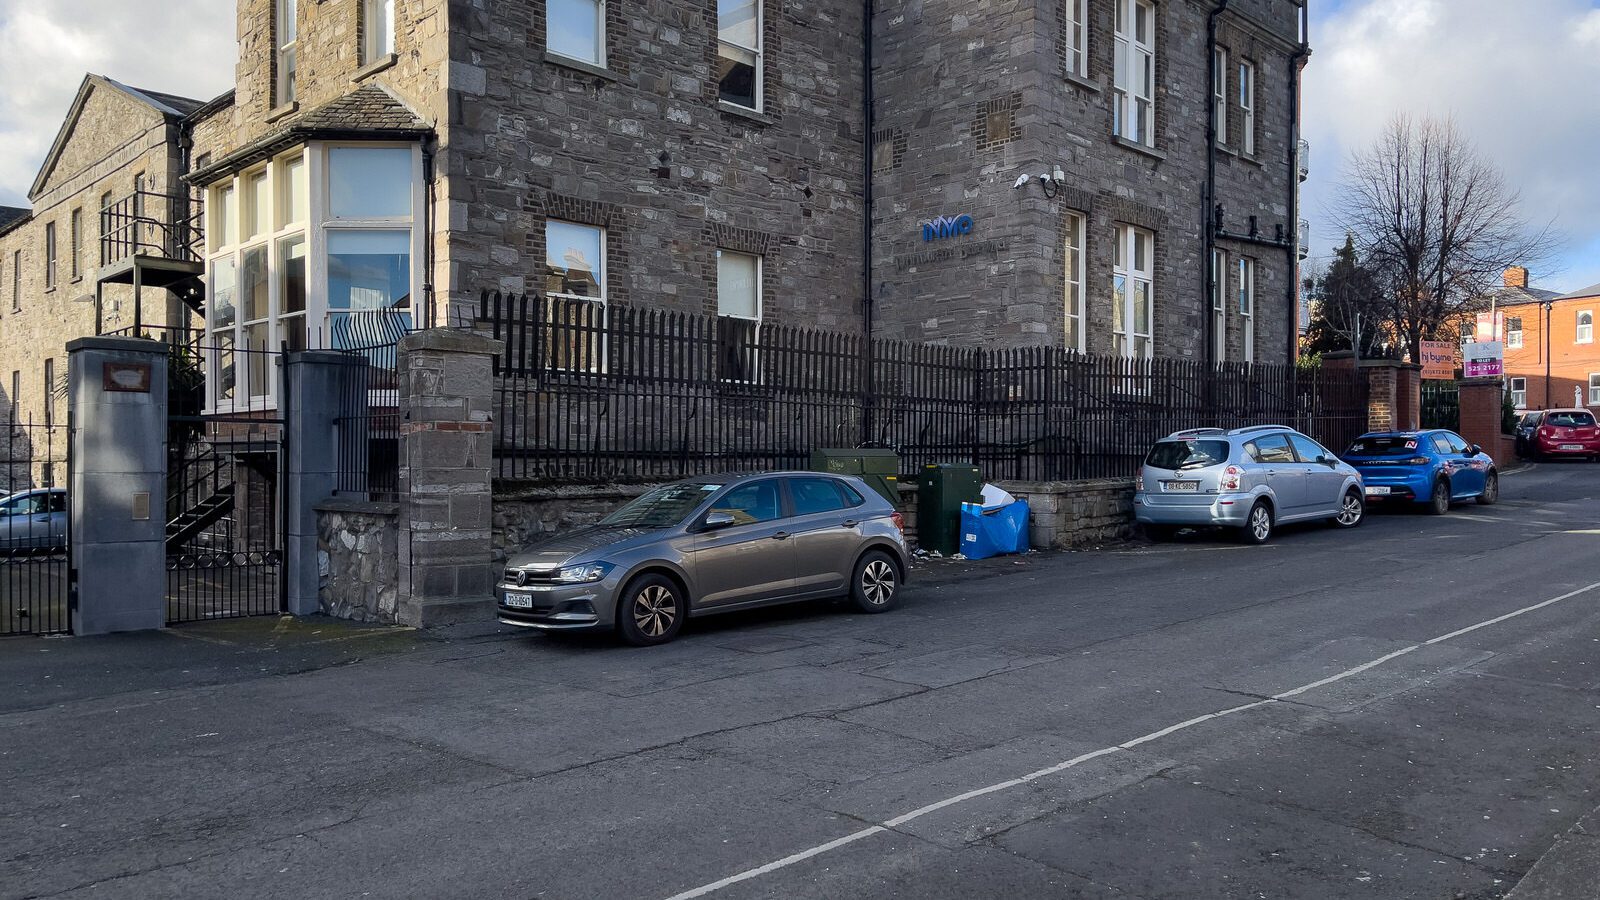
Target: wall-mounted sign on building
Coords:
[[1438, 360], [1485, 359], [946, 227]]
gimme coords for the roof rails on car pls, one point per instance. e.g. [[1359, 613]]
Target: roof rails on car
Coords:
[[1195, 432], [1255, 428]]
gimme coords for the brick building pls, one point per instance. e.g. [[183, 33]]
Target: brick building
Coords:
[[1116, 176], [1552, 359]]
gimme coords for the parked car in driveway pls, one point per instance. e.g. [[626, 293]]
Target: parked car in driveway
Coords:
[[1526, 426], [711, 545], [1434, 468], [1252, 479], [34, 519], [1565, 433]]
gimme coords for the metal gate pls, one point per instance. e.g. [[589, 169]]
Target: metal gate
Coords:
[[1441, 405], [224, 535], [34, 567]]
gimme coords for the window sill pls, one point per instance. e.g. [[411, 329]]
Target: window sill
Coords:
[[278, 112], [1141, 149], [578, 65], [1252, 160], [1079, 81], [744, 112], [1225, 150], [374, 67]]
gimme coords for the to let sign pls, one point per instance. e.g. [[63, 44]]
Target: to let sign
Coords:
[[1438, 360], [1485, 359]]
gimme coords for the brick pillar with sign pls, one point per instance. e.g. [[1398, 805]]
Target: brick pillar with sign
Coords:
[[1481, 411]]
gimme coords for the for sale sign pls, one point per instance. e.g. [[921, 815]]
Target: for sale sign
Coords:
[[1438, 360], [1485, 359]]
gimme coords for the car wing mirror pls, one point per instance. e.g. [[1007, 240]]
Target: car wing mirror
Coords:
[[1476, 449], [717, 519]]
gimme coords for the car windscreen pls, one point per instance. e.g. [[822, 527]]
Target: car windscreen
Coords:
[[1382, 446], [663, 507], [1176, 455], [1569, 420]]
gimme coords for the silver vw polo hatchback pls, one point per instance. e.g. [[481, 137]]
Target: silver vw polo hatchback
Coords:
[[711, 545], [1252, 479]]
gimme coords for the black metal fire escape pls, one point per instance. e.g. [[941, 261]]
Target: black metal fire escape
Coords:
[[154, 240]]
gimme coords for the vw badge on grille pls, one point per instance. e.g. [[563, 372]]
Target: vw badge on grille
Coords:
[[522, 578]]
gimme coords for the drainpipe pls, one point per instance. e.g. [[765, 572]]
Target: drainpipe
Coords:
[[869, 377], [1207, 226], [1295, 63], [427, 311]]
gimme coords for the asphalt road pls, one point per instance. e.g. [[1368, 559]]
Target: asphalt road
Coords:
[[1338, 714]]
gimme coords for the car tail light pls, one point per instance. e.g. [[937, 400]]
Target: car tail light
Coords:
[[899, 522], [1417, 461], [1138, 482], [1232, 477]]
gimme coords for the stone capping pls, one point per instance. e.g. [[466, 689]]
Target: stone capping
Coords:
[[374, 67], [364, 507], [131, 345], [451, 340], [578, 65]]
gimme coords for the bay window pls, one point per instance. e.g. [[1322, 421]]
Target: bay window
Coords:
[[318, 247], [1133, 293], [739, 52], [1073, 259], [738, 316], [1247, 307], [1133, 97]]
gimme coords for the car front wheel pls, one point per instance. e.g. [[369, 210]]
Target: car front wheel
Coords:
[[651, 612], [876, 585], [1439, 501], [1352, 509], [1258, 527], [1491, 490]]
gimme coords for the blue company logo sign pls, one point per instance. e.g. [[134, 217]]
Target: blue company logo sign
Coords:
[[946, 227]]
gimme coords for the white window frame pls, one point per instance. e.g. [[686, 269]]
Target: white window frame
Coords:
[[1125, 269], [1219, 99], [311, 328], [599, 33], [598, 351], [285, 24], [1519, 392], [1247, 308], [1133, 98], [1074, 332], [1514, 336], [1077, 25], [1585, 333], [755, 358], [377, 42], [1219, 303], [759, 50], [1247, 106]]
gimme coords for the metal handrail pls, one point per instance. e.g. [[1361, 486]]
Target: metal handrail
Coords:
[[148, 223]]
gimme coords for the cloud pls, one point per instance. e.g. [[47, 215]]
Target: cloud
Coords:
[[184, 47], [1517, 78]]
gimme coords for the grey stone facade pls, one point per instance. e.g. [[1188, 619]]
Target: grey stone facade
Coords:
[[358, 561]]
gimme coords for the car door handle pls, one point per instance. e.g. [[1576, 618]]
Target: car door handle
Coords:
[[781, 536], [851, 523]]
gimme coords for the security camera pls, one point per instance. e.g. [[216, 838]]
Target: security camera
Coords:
[[1022, 180], [1060, 176]]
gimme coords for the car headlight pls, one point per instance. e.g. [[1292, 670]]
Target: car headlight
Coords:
[[584, 574]]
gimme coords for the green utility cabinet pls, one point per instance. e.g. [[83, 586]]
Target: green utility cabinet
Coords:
[[941, 489], [880, 469]]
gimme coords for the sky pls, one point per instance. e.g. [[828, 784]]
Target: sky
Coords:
[[1519, 84]]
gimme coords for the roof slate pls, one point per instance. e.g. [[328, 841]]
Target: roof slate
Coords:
[[11, 215], [1592, 290]]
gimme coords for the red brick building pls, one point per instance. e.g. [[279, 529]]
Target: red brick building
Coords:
[[1552, 358]]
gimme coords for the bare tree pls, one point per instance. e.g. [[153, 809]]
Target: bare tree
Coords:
[[1435, 223]]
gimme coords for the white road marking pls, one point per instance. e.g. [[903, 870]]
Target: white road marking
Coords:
[[897, 821]]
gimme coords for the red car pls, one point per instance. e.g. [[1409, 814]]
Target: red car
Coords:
[[1567, 432]]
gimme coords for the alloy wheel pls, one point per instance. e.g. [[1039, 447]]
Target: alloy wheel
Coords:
[[1260, 524], [654, 610], [1350, 510], [878, 582]]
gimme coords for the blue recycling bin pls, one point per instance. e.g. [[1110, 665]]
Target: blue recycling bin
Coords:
[[994, 532]]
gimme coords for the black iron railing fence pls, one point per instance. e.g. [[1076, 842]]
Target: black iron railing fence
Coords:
[[587, 391]]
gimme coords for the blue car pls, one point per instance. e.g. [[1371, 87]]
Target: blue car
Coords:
[[1433, 468]]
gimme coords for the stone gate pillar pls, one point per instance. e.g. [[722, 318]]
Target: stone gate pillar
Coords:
[[117, 490], [446, 455]]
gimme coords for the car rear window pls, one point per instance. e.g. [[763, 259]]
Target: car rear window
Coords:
[[1187, 454], [1382, 446], [1570, 420]]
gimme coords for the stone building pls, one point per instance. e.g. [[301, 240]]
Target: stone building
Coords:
[[1039, 172]]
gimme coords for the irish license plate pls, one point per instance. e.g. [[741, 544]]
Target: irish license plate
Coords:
[[1376, 491], [1181, 487], [1572, 446], [517, 600]]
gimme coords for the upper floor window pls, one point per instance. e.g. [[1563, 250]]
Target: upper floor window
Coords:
[[1513, 332], [377, 29], [105, 225], [1219, 93], [285, 29], [738, 316], [1077, 59], [1133, 293], [1219, 304], [16, 281], [1133, 112], [1247, 307], [1247, 107], [50, 256], [576, 29], [1073, 258], [77, 244], [739, 52], [1586, 327]]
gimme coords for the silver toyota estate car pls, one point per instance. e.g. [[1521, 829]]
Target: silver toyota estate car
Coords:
[[711, 545], [1252, 479]]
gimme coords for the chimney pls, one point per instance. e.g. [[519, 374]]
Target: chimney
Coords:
[[1516, 277]]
